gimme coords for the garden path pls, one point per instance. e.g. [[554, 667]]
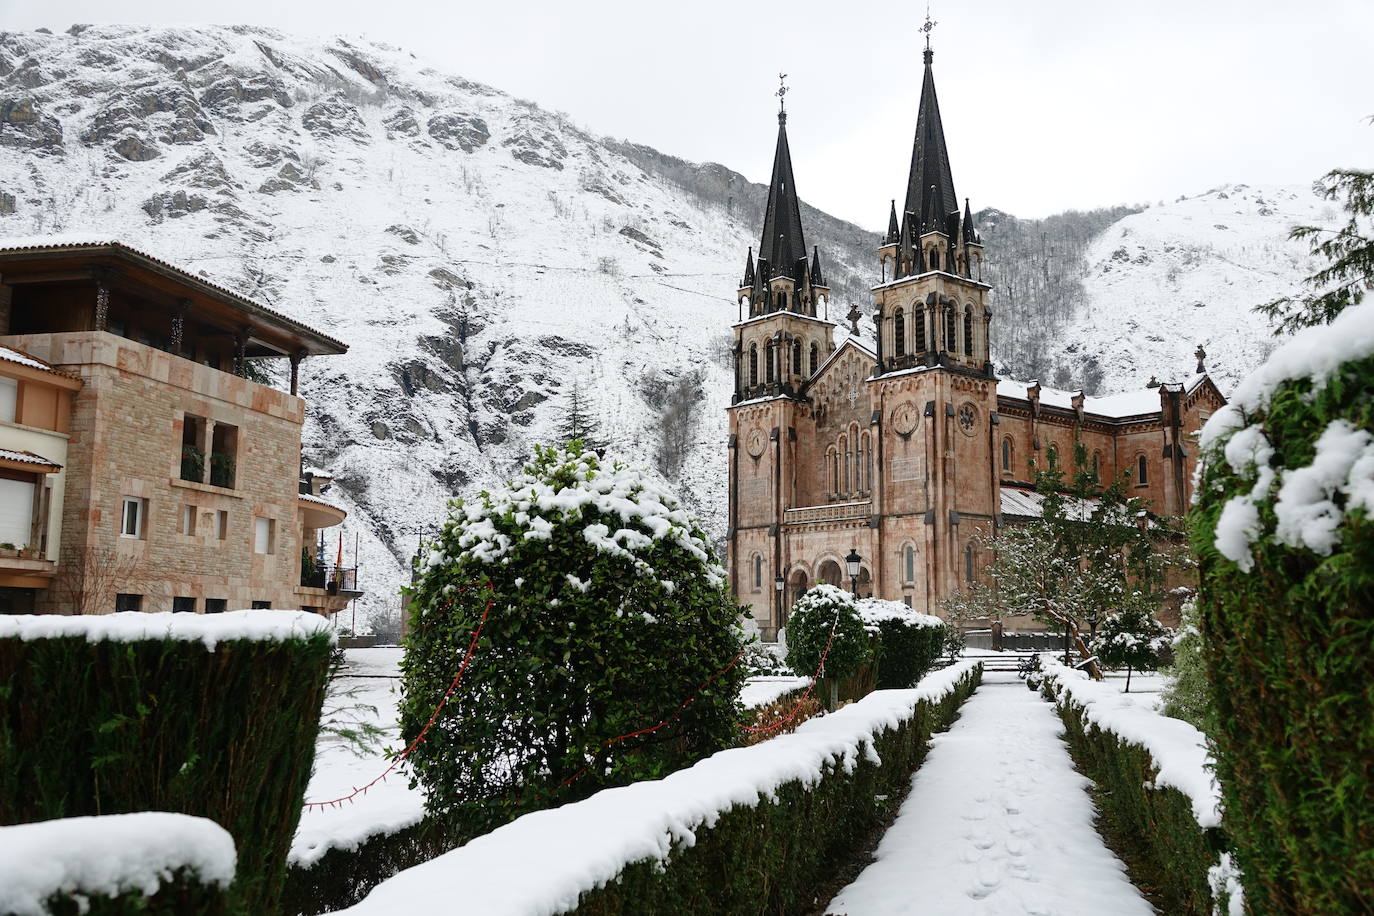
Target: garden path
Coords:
[[998, 822]]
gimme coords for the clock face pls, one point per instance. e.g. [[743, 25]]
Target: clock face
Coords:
[[904, 418], [968, 419], [755, 442]]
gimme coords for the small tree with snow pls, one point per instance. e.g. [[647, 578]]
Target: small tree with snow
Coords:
[[1133, 640], [823, 609], [607, 616], [578, 423]]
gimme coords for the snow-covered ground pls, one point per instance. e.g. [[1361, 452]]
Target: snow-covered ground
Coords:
[[998, 822], [374, 675]]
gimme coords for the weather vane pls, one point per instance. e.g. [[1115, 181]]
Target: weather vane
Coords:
[[782, 93], [929, 26]]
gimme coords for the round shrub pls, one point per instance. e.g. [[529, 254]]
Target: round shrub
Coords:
[[607, 616], [808, 630], [1286, 553], [909, 642]]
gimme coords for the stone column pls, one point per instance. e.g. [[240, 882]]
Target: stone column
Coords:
[[208, 444], [296, 358]]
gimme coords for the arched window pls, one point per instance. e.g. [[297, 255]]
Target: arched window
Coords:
[[951, 331], [968, 562], [1097, 464], [968, 331], [815, 358], [977, 268], [771, 369], [758, 571], [753, 365], [796, 357], [918, 321], [909, 563], [899, 334], [1006, 455], [1142, 475], [865, 463], [1052, 456], [833, 460], [933, 258], [848, 458]]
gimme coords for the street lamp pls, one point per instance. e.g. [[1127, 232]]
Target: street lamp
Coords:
[[777, 587], [853, 561]]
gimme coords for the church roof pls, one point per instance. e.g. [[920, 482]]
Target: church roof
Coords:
[[930, 187], [782, 245]]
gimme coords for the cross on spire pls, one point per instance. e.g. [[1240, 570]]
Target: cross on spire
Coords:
[[782, 96], [929, 27]]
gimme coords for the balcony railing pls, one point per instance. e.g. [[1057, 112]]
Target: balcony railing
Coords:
[[829, 513], [333, 579]]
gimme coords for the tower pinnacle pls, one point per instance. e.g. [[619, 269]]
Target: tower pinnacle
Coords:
[[782, 98]]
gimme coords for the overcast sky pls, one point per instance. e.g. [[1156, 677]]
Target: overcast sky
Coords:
[[1047, 105]]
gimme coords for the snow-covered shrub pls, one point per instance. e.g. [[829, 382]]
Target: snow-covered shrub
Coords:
[[909, 642], [1153, 786], [761, 660], [1133, 640], [1282, 527], [209, 715], [607, 615], [809, 625], [1188, 695]]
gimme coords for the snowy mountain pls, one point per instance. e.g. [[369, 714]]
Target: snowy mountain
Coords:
[[481, 255]]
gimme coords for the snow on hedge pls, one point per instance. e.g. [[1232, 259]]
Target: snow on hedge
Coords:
[[1308, 504], [134, 626], [111, 855], [1178, 750], [584, 845], [874, 611]]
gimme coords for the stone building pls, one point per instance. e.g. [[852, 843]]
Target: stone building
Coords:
[[914, 454], [157, 476]]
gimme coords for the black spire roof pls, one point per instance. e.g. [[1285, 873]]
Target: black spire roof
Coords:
[[930, 189], [893, 233], [749, 268], [971, 235], [783, 246]]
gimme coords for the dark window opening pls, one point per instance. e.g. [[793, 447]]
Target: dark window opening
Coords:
[[125, 602], [753, 365], [1142, 474], [968, 332], [815, 358], [262, 605], [899, 334], [216, 605], [182, 605]]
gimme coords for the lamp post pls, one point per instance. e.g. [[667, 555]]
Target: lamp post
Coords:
[[853, 561], [777, 588]]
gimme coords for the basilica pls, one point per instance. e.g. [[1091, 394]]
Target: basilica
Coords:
[[908, 458]]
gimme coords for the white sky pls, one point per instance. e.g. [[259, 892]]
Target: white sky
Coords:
[[1047, 104]]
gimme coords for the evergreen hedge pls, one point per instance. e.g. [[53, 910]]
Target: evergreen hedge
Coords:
[[181, 894], [342, 877], [909, 643], [1286, 551], [1155, 828], [772, 857], [111, 727]]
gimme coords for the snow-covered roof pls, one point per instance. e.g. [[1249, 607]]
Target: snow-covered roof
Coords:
[[108, 856], [1116, 406], [56, 243], [1028, 503], [783, 313], [11, 355], [850, 341], [320, 501], [7, 454]]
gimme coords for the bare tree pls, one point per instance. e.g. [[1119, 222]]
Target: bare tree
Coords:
[[93, 578]]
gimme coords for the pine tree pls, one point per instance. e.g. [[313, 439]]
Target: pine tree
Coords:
[[1133, 640], [1348, 253], [578, 424]]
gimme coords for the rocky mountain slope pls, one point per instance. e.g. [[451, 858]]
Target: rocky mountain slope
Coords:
[[481, 255]]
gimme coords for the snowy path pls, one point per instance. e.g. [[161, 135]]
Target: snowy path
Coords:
[[997, 822]]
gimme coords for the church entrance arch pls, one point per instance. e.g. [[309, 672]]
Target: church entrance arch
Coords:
[[796, 587], [829, 573], [865, 584]]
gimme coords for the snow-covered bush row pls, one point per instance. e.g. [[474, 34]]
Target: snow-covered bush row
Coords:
[[183, 863], [1157, 790], [132, 626], [909, 642], [693, 840]]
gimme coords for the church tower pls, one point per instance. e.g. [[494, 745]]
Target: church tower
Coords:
[[934, 393], [780, 343]]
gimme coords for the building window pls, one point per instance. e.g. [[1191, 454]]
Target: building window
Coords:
[[262, 605], [834, 461], [796, 357], [918, 322], [125, 602], [183, 605], [1006, 456], [769, 373], [909, 563], [815, 358], [951, 331], [221, 524], [758, 572], [968, 332], [224, 455], [906, 599], [131, 521], [1052, 456], [1142, 474], [753, 365], [899, 334], [264, 535], [1097, 464], [968, 562], [9, 399], [193, 448], [216, 605], [188, 520]]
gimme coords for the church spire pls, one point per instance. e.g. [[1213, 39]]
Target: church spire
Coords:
[[893, 233], [783, 246], [930, 188]]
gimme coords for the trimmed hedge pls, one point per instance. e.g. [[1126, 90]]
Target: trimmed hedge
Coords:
[[1285, 541], [342, 877], [111, 727], [1162, 838], [180, 894], [771, 857]]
